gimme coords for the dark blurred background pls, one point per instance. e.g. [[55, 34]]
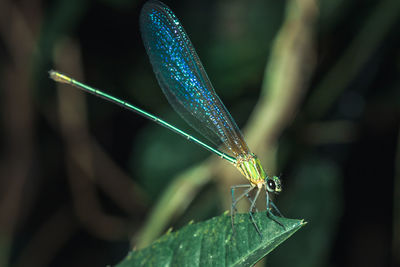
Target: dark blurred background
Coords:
[[313, 84]]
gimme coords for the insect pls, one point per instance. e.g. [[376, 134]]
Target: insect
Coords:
[[188, 89]]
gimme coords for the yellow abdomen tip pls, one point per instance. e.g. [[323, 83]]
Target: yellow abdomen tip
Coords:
[[58, 77]]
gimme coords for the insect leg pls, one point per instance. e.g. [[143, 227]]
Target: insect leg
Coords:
[[269, 212], [253, 203], [235, 201]]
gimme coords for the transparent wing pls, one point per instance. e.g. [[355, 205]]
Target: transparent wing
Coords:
[[183, 79]]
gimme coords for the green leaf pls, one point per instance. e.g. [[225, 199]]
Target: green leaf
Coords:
[[211, 243]]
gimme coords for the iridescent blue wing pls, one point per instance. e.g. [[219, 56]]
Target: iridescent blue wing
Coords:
[[183, 79]]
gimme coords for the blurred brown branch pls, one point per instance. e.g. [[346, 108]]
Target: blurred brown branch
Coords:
[[351, 62], [19, 26], [80, 161], [18, 32], [48, 239]]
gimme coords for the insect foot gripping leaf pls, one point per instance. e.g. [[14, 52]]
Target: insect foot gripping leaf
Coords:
[[211, 243]]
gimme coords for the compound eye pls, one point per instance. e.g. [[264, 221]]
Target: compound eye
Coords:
[[271, 185]]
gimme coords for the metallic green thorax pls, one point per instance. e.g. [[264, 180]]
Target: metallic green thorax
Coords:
[[250, 167]]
